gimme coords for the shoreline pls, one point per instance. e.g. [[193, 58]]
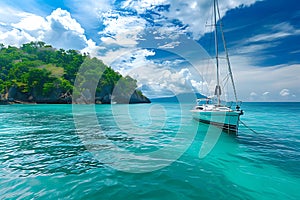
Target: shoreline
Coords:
[[6, 102]]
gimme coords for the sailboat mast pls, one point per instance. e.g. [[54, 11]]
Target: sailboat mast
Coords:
[[227, 56], [218, 88]]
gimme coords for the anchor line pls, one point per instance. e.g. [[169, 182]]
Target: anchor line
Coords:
[[248, 127]]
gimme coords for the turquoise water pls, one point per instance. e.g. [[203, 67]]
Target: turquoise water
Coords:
[[149, 151]]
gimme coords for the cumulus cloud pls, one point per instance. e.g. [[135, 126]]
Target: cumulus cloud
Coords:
[[122, 30], [58, 29], [162, 77], [131, 59], [284, 92], [64, 31], [15, 37], [120, 36], [163, 82], [26, 23], [12, 24], [63, 18], [9, 15]]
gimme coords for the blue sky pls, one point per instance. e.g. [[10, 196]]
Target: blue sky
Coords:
[[164, 44]]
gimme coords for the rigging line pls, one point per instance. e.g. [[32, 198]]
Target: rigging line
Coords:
[[208, 68], [248, 127], [210, 30], [217, 51], [224, 82], [226, 52], [225, 79]]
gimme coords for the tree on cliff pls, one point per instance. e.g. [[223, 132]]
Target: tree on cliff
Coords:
[[40, 73]]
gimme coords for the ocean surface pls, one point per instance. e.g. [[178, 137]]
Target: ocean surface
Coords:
[[147, 151]]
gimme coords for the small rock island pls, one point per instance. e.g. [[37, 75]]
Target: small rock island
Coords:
[[39, 73]]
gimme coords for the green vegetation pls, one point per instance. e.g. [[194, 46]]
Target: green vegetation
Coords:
[[38, 71]]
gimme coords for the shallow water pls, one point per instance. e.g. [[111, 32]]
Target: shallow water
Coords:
[[147, 151]]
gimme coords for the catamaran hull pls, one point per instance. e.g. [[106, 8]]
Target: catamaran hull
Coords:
[[228, 121]]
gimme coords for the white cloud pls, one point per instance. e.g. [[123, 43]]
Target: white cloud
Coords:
[[10, 15], [15, 37], [142, 5], [168, 31], [88, 14], [13, 21], [122, 30], [269, 37], [64, 31], [253, 94], [249, 77], [295, 52], [182, 10], [31, 22], [170, 45], [157, 78], [58, 29], [162, 81], [251, 49], [63, 18], [256, 47], [120, 37], [91, 48], [130, 60], [284, 92], [283, 26], [265, 96], [89, 9]]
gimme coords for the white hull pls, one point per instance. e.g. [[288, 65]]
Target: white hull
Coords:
[[227, 120]]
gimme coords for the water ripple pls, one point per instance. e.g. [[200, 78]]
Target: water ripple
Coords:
[[42, 157]]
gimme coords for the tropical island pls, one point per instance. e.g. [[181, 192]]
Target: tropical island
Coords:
[[38, 73]]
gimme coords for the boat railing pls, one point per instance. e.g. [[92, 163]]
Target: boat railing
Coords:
[[204, 101]]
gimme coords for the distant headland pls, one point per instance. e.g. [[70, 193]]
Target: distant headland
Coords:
[[38, 73]]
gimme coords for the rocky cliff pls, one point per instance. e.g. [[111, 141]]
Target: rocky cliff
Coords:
[[15, 95]]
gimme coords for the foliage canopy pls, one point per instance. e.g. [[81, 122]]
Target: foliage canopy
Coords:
[[39, 69]]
